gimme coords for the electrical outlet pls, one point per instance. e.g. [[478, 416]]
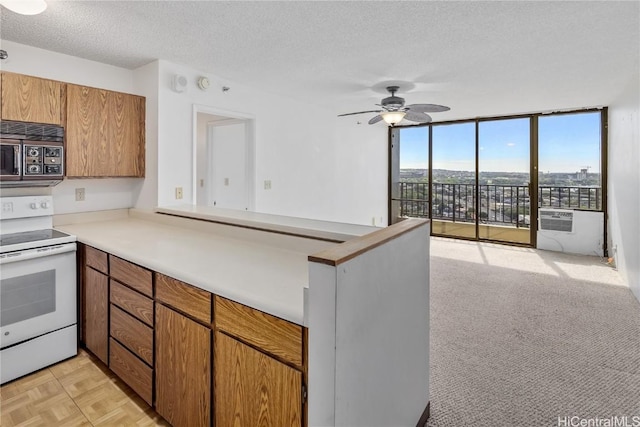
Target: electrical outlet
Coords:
[[267, 184], [79, 194], [178, 193]]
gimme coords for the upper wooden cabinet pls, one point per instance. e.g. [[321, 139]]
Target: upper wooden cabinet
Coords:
[[31, 99], [105, 133]]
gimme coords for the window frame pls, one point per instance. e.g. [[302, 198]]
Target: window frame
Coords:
[[394, 132]]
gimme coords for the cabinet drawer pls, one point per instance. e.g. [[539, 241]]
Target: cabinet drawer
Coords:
[[269, 333], [132, 302], [132, 275], [186, 298], [131, 370], [132, 333], [96, 259]]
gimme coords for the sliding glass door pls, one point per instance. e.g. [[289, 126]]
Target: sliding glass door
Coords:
[[504, 180], [471, 178], [453, 178]]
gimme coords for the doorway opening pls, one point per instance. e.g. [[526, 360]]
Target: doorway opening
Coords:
[[223, 159]]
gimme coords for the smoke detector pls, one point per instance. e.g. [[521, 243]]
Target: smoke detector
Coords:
[[203, 83]]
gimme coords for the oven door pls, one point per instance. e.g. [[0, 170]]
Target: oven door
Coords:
[[10, 160], [38, 292]]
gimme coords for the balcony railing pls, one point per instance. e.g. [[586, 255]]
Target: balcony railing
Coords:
[[498, 204]]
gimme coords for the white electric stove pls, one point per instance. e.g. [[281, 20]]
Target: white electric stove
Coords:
[[38, 292]]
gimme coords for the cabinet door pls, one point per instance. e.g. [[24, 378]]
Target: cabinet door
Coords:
[[252, 389], [183, 369], [30, 99], [105, 133], [96, 307], [126, 123], [86, 134]]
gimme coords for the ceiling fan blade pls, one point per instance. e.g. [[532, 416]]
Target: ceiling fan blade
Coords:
[[360, 112], [427, 108], [415, 116], [375, 120]]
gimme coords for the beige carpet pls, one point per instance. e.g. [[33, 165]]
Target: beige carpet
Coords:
[[520, 337]]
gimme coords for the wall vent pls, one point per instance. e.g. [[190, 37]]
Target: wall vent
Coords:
[[556, 220]]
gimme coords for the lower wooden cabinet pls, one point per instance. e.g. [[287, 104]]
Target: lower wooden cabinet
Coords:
[[96, 312], [183, 369], [137, 374], [253, 389], [132, 333], [198, 358]]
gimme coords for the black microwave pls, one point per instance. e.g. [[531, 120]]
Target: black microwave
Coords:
[[32, 154]]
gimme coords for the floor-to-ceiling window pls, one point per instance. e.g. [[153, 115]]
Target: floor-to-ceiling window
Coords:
[[570, 161], [453, 178], [504, 166], [485, 178]]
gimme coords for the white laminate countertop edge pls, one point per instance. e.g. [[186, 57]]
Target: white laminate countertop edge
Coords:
[[264, 277], [328, 230]]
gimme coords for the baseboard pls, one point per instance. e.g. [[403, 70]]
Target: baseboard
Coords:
[[422, 422]]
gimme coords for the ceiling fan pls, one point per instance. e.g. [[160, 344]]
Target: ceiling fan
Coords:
[[393, 110]]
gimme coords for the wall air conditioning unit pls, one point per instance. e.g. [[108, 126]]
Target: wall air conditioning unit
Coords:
[[556, 220]]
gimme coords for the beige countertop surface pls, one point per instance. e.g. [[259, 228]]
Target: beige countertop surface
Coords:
[[326, 230], [270, 278]]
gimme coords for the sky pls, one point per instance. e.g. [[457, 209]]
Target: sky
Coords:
[[566, 143]]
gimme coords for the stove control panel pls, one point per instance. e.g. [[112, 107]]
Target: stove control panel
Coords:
[[26, 207]]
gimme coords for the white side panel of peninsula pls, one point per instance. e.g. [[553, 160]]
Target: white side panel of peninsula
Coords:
[[369, 329]]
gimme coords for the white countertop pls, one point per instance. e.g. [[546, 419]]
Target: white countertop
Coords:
[[261, 276], [326, 230]]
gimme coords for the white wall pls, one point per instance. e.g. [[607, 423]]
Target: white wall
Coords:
[[56, 66], [100, 194], [624, 184], [315, 170], [146, 82], [319, 166], [362, 170]]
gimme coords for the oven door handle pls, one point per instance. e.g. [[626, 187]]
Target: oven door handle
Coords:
[[36, 253]]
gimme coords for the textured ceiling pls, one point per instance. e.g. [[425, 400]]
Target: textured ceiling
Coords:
[[480, 58]]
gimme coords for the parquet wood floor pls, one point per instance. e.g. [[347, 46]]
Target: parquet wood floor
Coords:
[[77, 392]]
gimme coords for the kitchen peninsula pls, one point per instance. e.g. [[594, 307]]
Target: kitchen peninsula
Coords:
[[239, 308]]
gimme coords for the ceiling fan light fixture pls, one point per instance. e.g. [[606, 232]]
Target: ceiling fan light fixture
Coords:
[[392, 117], [25, 7]]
